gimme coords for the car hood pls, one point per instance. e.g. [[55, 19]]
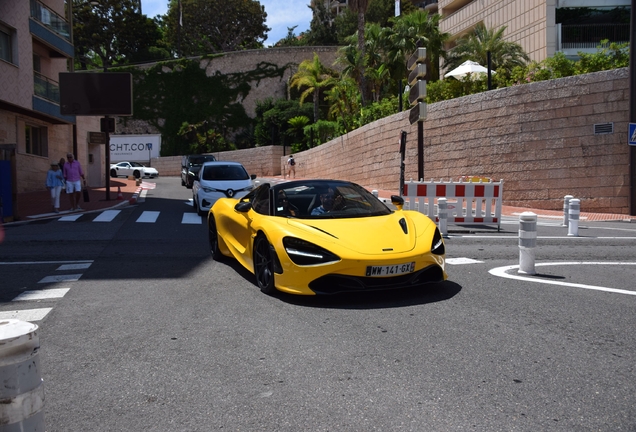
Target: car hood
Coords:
[[369, 235]]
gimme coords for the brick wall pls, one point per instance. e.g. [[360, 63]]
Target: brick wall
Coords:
[[539, 138], [262, 161]]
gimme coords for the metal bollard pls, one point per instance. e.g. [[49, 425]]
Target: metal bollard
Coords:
[[527, 242], [575, 211], [375, 192], [22, 391], [566, 209], [442, 214]]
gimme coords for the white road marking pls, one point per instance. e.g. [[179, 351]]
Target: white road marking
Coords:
[[26, 315], [191, 218], [70, 218], [42, 294], [148, 217], [190, 202], [42, 262], [107, 216], [61, 278], [456, 261], [74, 266], [503, 272]]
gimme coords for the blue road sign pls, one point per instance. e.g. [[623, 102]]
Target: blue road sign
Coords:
[[632, 134], [149, 146]]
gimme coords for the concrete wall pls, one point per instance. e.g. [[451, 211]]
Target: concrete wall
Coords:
[[262, 161], [539, 138]]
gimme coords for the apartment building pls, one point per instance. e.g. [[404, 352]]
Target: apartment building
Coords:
[[541, 27], [35, 46]]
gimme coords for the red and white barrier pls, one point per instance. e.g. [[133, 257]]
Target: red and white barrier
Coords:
[[468, 203]]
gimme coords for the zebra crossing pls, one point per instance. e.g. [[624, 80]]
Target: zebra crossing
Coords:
[[20, 305], [146, 217]]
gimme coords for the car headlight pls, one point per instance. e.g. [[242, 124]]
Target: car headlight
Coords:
[[437, 247], [302, 252]]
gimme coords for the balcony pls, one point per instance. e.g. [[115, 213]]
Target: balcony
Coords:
[[587, 37], [52, 29], [46, 88], [50, 19]]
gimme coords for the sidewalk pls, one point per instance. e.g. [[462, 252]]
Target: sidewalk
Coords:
[[37, 205]]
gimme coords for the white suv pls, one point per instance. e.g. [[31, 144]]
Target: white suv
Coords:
[[219, 180]]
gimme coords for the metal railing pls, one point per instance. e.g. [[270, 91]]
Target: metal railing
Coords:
[[583, 36], [50, 19], [46, 88]]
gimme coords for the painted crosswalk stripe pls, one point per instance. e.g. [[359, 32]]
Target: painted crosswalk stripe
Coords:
[[42, 294], [26, 315], [70, 218], [61, 278], [78, 266], [191, 218], [107, 216], [148, 217]]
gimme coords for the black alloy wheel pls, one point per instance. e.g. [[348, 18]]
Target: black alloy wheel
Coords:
[[137, 174], [113, 172], [264, 264], [213, 237]]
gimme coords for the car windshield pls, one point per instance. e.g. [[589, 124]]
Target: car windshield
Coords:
[[325, 199], [200, 160], [224, 173]]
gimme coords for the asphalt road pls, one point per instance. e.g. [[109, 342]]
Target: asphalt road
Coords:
[[153, 335]]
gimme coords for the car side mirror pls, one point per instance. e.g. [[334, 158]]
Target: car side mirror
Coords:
[[397, 201], [243, 206], [253, 176]]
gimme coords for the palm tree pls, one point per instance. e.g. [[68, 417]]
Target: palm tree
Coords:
[[313, 76], [360, 6], [504, 55]]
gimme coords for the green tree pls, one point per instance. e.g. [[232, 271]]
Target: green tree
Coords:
[[504, 55], [200, 27], [272, 120], [344, 100], [322, 28], [360, 7], [313, 77], [113, 32]]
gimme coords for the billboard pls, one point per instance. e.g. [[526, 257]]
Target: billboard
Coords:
[[135, 148], [96, 93]]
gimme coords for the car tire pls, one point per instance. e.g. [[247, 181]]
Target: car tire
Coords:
[[213, 237], [182, 182], [113, 173], [137, 174], [264, 265]]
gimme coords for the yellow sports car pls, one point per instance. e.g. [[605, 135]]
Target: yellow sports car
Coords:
[[326, 237]]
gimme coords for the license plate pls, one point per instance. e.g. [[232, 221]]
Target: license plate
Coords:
[[390, 270]]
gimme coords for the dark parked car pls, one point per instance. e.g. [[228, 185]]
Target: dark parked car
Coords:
[[190, 166]]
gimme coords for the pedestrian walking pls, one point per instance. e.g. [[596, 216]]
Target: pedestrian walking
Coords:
[[55, 182], [291, 166], [72, 174]]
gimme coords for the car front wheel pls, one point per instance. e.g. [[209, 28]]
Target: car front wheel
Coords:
[[137, 174], [213, 237], [264, 265]]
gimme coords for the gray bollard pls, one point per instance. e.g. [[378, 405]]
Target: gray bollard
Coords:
[[375, 192], [575, 211], [566, 209], [22, 391], [442, 214], [527, 242]]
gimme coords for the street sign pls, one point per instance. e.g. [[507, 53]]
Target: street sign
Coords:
[[418, 72], [417, 92], [417, 57], [631, 138], [418, 113], [97, 138]]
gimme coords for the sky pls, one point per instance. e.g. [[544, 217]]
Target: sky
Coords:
[[281, 14]]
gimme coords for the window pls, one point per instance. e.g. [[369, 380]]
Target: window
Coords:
[[6, 43], [36, 140]]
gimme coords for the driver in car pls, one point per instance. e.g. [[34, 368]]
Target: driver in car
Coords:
[[328, 201]]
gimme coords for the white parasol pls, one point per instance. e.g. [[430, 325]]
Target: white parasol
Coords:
[[468, 67]]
